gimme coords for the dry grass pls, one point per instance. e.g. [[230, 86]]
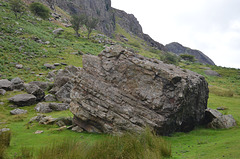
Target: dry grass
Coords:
[[221, 91]]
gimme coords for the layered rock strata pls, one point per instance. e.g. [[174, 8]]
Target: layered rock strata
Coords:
[[119, 91]]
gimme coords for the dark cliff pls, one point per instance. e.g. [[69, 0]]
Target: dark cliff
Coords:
[[179, 49]]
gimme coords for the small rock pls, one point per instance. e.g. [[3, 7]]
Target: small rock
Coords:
[[60, 123], [5, 84], [2, 92], [43, 85], [35, 90], [49, 66], [17, 84], [211, 73], [43, 108], [56, 64], [64, 64], [58, 31], [18, 111], [19, 66], [77, 129], [50, 98], [37, 118], [46, 42], [48, 120], [38, 132]]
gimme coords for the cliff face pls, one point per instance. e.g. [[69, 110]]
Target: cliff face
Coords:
[[179, 49], [108, 17]]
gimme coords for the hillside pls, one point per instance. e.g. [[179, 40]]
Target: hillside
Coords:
[[30, 42]]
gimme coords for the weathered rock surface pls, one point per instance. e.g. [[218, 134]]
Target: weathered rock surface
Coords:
[[18, 111], [5, 84], [49, 107], [50, 98], [43, 85], [23, 100], [63, 83], [35, 90], [120, 90], [17, 84], [217, 120]]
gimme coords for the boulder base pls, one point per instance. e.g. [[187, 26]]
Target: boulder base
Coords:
[[121, 91]]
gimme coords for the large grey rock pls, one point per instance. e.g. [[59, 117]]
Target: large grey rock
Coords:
[[18, 111], [36, 91], [63, 94], [217, 120], [17, 84], [122, 91], [23, 100], [5, 84]]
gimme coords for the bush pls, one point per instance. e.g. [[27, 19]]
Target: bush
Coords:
[[40, 10], [128, 146], [187, 57], [170, 58], [18, 7]]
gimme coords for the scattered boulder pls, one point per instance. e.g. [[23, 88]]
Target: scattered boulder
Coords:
[[36, 91], [19, 66], [211, 73], [2, 92], [49, 107], [23, 100], [37, 118], [17, 84], [121, 91], [48, 120], [5, 84], [18, 111], [43, 85], [43, 108], [50, 98], [38, 132], [49, 66], [217, 120], [58, 31]]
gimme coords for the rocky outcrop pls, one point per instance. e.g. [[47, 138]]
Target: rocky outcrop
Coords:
[[179, 49], [122, 91]]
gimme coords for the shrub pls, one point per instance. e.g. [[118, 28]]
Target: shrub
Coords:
[[18, 7], [187, 57], [77, 21], [135, 44], [170, 58], [91, 23], [40, 10]]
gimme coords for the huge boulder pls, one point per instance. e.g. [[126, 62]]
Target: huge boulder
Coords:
[[121, 91], [23, 99]]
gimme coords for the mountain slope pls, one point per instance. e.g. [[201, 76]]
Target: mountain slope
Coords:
[[180, 49]]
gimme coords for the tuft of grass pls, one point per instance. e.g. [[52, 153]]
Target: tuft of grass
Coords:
[[145, 145], [221, 91], [5, 138]]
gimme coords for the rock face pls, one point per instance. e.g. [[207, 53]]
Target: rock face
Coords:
[[120, 90], [23, 100], [179, 49], [108, 17]]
